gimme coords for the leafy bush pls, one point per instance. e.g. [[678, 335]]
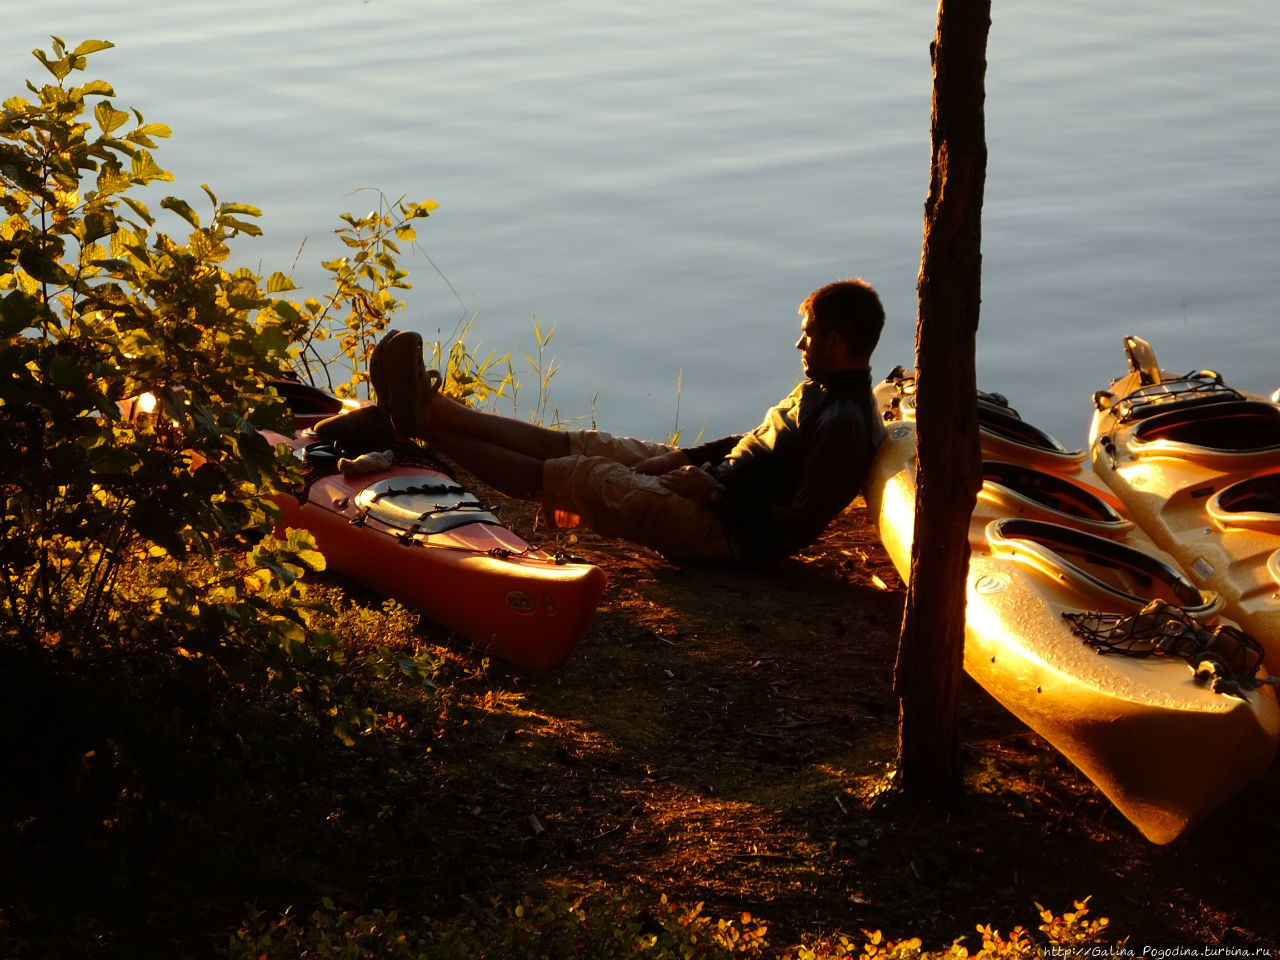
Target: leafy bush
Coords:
[[342, 328], [135, 375]]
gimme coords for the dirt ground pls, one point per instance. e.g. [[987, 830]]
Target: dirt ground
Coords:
[[720, 736], [725, 737]]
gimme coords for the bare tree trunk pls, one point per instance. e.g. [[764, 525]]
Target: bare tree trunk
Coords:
[[931, 648]]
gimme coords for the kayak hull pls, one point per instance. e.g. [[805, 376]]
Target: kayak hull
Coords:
[[1162, 747], [477, 578]]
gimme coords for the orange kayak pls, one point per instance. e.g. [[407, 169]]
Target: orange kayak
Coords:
[[411, 532]]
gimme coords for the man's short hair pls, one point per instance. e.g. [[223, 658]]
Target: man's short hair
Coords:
[[850, 308]]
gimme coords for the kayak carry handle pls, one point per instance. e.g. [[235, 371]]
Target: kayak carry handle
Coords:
[[1142, 359]]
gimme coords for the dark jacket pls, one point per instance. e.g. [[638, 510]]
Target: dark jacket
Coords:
[[786, 480]]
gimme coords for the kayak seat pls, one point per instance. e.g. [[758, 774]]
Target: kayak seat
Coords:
[[1241, 426], [1020, 487], [1109, 573], [1253, 503]]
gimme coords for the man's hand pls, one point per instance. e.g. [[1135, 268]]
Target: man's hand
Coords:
[[663, 463], [690, 482]]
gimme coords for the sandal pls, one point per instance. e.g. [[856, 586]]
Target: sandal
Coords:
[[408, 384]]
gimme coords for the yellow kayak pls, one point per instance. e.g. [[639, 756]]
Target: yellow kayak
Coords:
[[1003, 432], [1163, 746], [1197, 466]]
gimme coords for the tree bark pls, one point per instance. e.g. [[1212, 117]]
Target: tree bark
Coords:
[[931, 648]]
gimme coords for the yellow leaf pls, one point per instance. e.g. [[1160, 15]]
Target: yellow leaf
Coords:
[[145, 169], [207, 248], [182, 209], [108, 117], [92, 46]]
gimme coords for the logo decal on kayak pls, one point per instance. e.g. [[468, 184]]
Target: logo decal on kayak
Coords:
[[990, 584], [521, 602]]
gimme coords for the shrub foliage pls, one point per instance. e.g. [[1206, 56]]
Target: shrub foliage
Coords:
[[135, 372]]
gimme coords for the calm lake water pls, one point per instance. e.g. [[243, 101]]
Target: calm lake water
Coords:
[[663, 183]]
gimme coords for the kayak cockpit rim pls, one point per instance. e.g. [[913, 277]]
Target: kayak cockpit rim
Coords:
[[1114, 572], [1246, 428], [1252, 503], [1021, 486]]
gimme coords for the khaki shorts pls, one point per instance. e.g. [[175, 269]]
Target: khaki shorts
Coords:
[[596, 482]]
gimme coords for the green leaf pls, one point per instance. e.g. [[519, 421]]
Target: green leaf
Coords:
[[42, 265], [182, 209], [243, 294], [241, 208], [286, 311], [65, 373], [17, 311], [94, 226]]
